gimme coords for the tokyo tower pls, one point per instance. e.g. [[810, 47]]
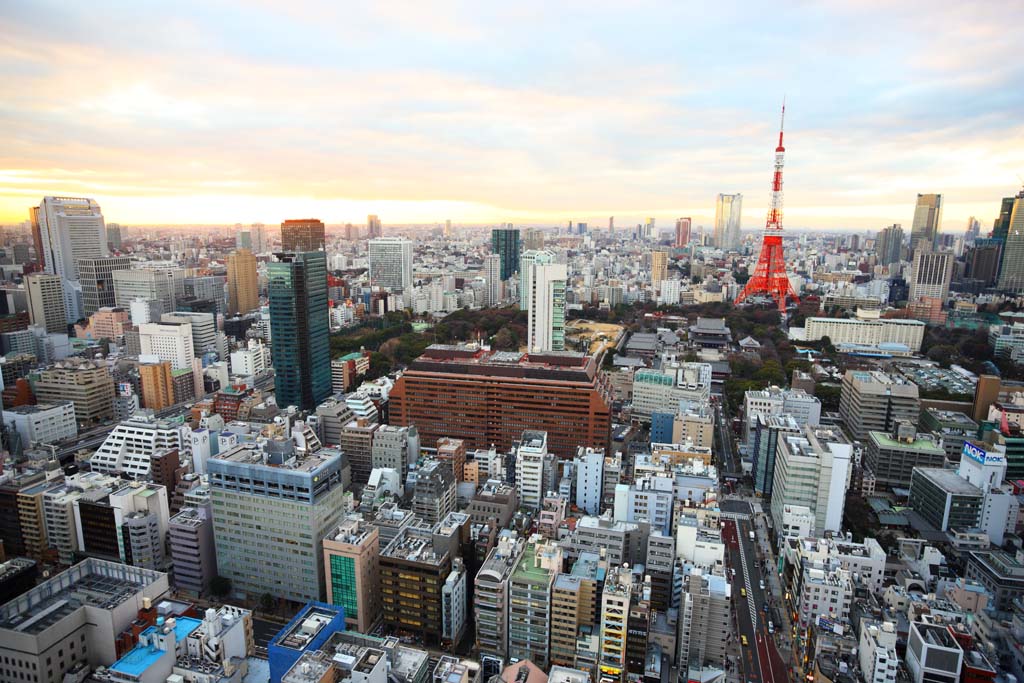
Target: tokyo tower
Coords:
[[769, 278]]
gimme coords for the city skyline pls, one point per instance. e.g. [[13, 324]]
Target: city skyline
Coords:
[[419, 115]]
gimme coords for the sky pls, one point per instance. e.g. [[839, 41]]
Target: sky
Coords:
[[217, 112]]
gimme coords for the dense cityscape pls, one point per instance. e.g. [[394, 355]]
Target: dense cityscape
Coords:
[[708, 445]]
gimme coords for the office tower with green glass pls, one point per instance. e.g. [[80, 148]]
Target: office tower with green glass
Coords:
[[300, 345], [505, 243], [1011, 271]]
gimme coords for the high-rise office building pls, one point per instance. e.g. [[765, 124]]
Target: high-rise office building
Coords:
[[374, 228], [492, 277], [165, 285], [649, 227], [546, 322], [728, 218], [682, 232], [46, 302], [659, 267], [390, 260], [157, 385], [529, 623], [171, 342], [931, 273], [448, 228], [705, 611], [89, 386], [243, 285], [889, 246], [70, 228], [413, 571], [874, 401], [114, 235], [96, 275], [1001, 225], [611, 226], [1011, 272], [258, 238], [982, 261], [505, 243], [527, 261], [352, 572], [490, 398], [615, 599], [302, 235], [927, 220], [300, 502], [205, 337], [813, 470], [299, 344], [491, 603]]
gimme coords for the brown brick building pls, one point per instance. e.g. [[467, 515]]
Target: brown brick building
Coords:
[[490, 397]]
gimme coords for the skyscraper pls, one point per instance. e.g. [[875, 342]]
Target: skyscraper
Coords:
[[890, 245], [448, 228], [258, 237], [546, 326], [391, 263], [46, 302], [728, 217], [96, 275], [927, 219], [70, 228], [374, 228], [492, 274], [505, 243], [611, 226], [243, 287], [659, 267], [682, 232], [931, 274], [303, 234], [114, 235], [649, 228], [1002, 224], [300, 347], [526, 262], [982, 261], [1011, 272]]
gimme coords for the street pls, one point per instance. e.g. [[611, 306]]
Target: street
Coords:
[[759, 660]]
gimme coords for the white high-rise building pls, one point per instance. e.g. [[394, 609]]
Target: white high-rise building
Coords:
[[46, 302], [526, 261], [546, 326], [165, 285], [391, 263], [931, 274], [530, 457], [813, 470], [205, 337], [705, 610], [70, 228], [878, 658], [492, 274], [728, 218], [131, 444], [170, 342]]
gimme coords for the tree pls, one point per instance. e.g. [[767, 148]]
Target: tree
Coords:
[[220, 586], [267, 602], [505, 340]]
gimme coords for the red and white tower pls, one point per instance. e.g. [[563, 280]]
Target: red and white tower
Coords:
[[769, 278]]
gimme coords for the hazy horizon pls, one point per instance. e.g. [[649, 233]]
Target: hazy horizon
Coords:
[[525, 113]]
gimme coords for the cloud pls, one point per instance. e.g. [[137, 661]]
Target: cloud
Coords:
[[529, 111]]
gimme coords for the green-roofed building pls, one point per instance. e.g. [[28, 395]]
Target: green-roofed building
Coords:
[[892, 457]]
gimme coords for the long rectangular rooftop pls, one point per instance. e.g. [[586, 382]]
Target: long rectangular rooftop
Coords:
[[95, 583], [471, 359]]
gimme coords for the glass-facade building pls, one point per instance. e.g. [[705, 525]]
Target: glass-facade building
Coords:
[[300, 344], [505, 243]]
